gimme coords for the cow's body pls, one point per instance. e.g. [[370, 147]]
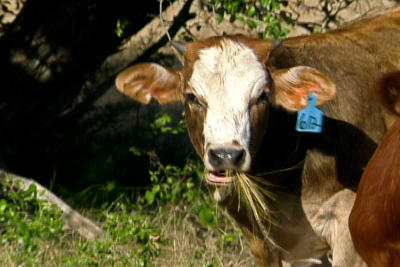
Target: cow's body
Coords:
[[233, 126], [375, 218]]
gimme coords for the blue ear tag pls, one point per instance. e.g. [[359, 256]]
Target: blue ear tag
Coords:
[[310, 119]]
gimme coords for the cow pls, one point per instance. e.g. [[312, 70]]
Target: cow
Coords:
[[375, 219], [290, 192]]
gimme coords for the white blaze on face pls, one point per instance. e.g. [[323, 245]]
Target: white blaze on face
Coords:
[[228, 77]]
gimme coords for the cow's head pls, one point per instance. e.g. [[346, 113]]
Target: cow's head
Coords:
[[227, 89]]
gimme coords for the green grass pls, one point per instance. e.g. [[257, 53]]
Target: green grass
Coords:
[[175, 223]]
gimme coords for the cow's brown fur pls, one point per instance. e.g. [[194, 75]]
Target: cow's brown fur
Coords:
[[375, 218], [312, 174]]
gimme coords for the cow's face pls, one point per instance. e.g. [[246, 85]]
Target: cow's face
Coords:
[[225, 85], [225, 93]]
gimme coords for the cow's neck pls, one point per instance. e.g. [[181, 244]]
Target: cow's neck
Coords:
[[308, 163], [281, 155]]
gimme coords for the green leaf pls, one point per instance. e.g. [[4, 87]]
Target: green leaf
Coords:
[[190, 195], [235, 6], [207, 217], [154, 176], [275, 5], [284, 32], [189, 184], [142, 261], [264, 3], [84, 246], [29, 198], [3, 205], [135, 151], [251, 11], [111, 185], [24, 234], [150, 196], [156, 188], [198, 254], [123, 207], [31, 189], [220, 18], [268, 18], [251, 24], [230, 238]]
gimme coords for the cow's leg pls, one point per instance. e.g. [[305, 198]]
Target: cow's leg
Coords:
[[265, 257], [331, 222]]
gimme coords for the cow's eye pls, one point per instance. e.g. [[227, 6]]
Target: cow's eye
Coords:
[[262, 98], [193, 99]]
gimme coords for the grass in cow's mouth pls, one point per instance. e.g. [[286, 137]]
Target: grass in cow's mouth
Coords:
[[255, 193]]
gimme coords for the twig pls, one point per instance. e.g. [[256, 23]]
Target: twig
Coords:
[[214, 16], [163, 22], [167, 33]]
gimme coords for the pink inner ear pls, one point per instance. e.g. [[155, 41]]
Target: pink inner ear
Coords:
[[291, 87], [294, 100], [144, 81]]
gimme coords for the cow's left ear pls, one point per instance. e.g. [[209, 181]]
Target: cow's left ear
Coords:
[[145, 81], [290, 87]]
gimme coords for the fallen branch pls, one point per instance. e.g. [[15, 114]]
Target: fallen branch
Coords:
[[72, 219]]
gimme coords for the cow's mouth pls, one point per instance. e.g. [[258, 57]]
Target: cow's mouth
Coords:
[[220, 178], [222, 183]]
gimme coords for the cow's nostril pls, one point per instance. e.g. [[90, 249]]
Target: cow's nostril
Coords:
[[215, 158], [237, 157], [226, 158]]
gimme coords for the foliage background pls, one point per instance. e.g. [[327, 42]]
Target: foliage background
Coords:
[[63, 123]]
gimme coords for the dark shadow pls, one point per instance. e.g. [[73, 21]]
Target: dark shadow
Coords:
[[48, 56], [351, 147], [284, 148]]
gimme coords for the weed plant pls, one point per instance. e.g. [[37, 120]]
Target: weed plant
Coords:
[[175, 222], [28, 225]]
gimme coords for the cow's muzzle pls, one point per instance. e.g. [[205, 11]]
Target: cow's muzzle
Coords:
[[223, 162], [226, 158]]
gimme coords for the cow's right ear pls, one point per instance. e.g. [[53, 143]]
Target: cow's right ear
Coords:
[[145, 81]]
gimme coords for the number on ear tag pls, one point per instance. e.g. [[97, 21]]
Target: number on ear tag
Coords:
[[310, 119]]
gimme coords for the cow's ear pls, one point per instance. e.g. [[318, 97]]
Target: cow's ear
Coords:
[[145, 81], [290, 87]]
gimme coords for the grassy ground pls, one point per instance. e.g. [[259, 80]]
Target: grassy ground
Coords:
[[174, 224], [192, 244]]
